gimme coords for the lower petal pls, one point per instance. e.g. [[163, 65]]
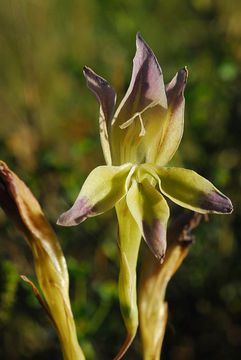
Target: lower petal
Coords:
[[192, 191], [104, 186], [151, 212]]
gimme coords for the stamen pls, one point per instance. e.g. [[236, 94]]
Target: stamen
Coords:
[[143, 131], [130, 121]]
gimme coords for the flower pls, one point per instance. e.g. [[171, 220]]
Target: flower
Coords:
[[138, 141]]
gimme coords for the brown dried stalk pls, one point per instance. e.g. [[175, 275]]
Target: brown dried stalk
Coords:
[[153, 309]]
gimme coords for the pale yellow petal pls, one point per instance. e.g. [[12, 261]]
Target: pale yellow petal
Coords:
[[151, 212], [192, 191], [102, 189]]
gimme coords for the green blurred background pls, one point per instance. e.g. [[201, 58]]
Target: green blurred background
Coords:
[[49, 137]]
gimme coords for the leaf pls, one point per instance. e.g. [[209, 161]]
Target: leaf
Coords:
[[24, 210]]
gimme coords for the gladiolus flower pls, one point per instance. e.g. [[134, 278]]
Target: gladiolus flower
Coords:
[[138, 141]]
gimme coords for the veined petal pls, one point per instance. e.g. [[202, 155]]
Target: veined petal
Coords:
[[106, 96], [169, 140], [103, 188], [146, 90], [151, 212], [192, 191]]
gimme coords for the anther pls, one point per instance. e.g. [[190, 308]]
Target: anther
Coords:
[[130, 121]]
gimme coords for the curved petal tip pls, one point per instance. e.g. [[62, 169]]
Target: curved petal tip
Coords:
[[175, 88], [103, 91], [218, 203], [141, 42], [155, 236], [79, 212]]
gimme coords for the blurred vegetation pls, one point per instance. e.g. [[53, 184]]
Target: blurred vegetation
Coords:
[[49, 137]]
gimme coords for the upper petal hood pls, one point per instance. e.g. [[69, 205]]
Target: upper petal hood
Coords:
[[164, 127], [106, 96], [145, 91]]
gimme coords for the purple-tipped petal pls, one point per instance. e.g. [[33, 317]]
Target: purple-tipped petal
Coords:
[[147, 76], [79, 212], [216, 202], [103, 91], [150, 211], [146, 83], [175, 89], [146, 90], [102, 189], [192, 191], [155, 236], [106, 96], [169, 143]]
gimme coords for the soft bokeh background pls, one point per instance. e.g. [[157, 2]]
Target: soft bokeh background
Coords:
[[49, 137]]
